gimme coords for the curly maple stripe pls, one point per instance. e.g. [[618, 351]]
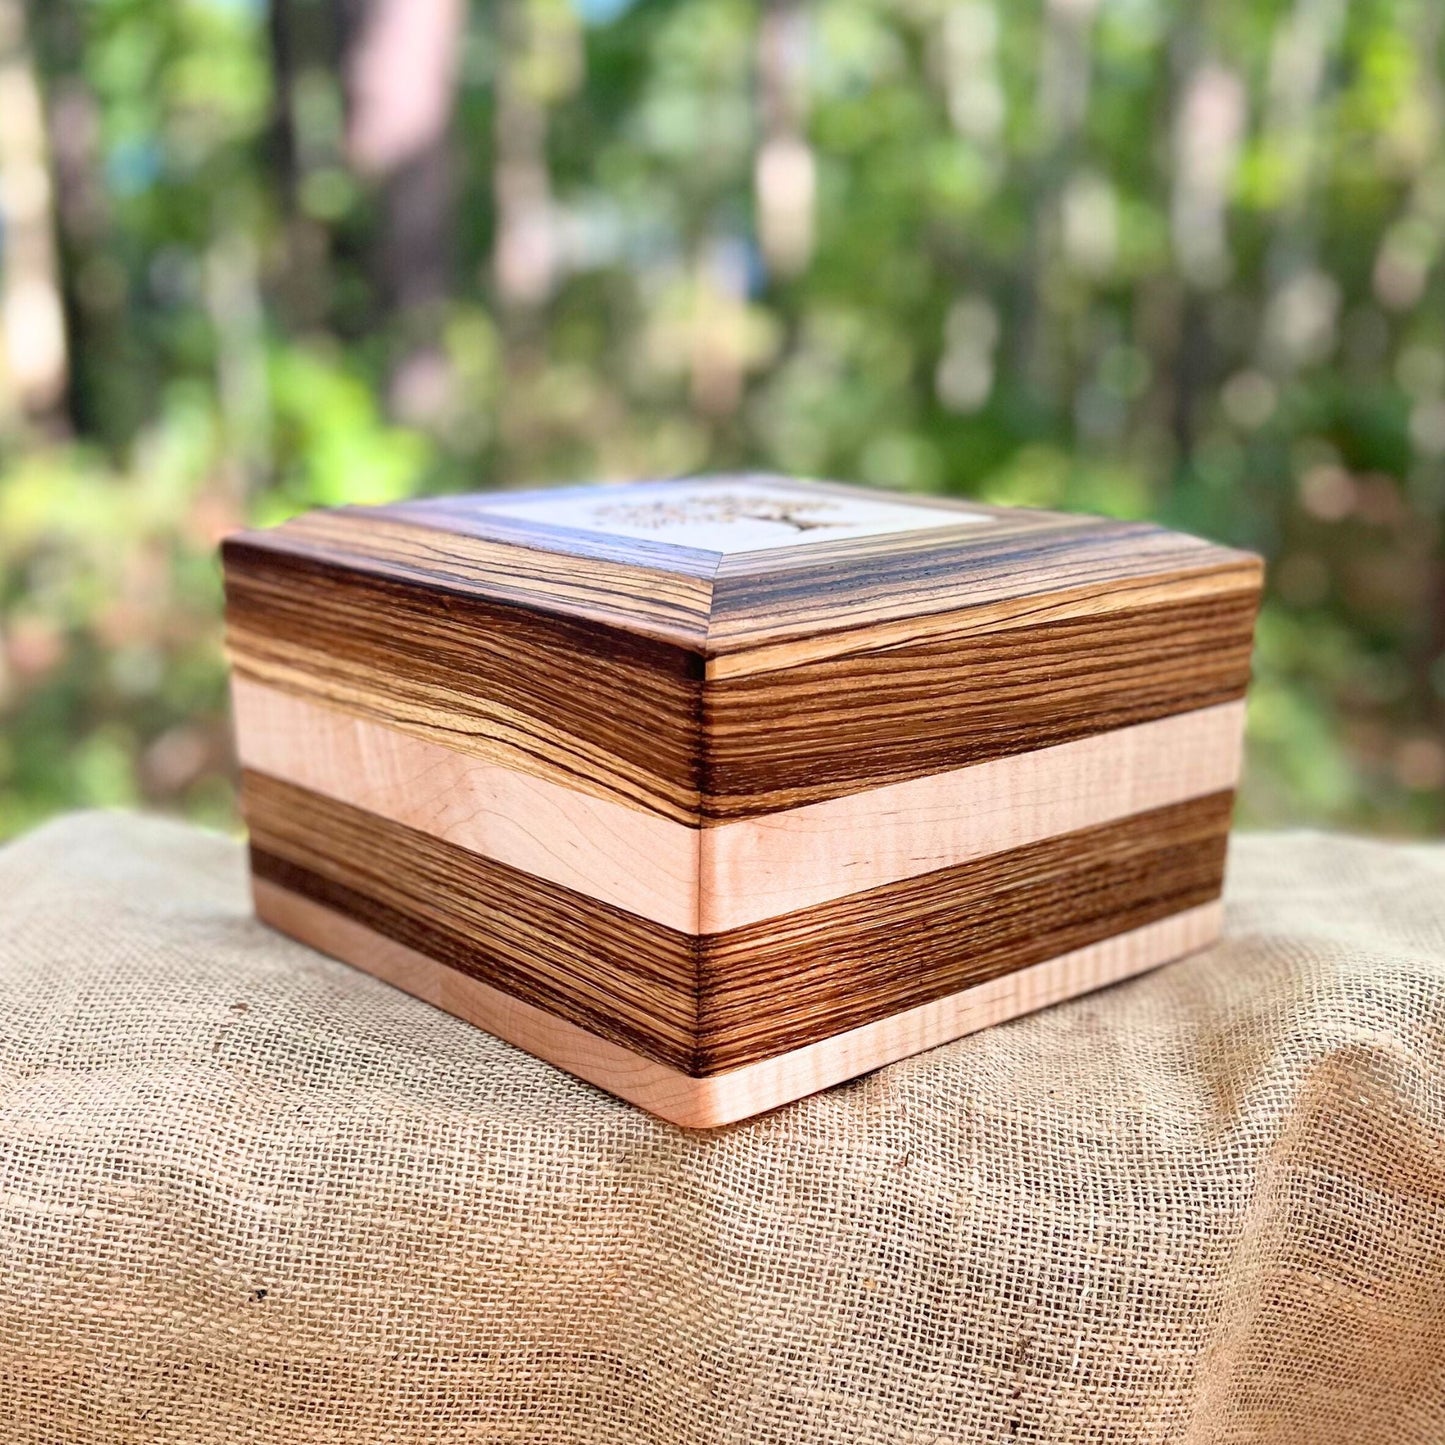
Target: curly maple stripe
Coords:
[[713, 879]]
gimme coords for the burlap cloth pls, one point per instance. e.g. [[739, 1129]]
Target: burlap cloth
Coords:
[[247, 1194]]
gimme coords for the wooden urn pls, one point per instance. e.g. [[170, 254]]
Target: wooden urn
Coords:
[[716, 792]]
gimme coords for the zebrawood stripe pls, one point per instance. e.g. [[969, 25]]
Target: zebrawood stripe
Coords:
[[418, 543], [709, 1004], [592, 708], [614, 974], [831, 968], [827, 729], [1096, 599], [760, 599]]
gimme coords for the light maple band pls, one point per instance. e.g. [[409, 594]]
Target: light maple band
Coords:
[[704, 1103], [711, 880], [629, 857]]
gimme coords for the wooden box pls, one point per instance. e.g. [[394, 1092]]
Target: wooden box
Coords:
[[716, 792]]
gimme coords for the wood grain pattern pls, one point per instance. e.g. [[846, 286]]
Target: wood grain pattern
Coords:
[[826, 729], [651, 728], [778, 985], [760, 600], [646, 730], [826, 593], [716, 773], [633, 859], [610, 972], [1088, 600], [490, 678], [588, 579], [719, 1099], [714, 879], [764, 867], [705, 1004]]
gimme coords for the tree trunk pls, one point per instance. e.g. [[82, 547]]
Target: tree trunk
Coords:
[[32, 313], [524, 260], [400, 67], [785, 173]]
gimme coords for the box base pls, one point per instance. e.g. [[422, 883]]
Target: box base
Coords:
[[718, 1099]]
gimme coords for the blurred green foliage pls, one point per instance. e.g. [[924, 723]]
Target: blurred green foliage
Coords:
[[1139, 257]]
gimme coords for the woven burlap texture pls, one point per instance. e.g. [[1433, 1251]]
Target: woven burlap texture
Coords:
[[247, 1194]]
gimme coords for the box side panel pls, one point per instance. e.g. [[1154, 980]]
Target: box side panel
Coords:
[[945, 811], [788, 982], [621, 977], [799, 735], [584, 705]]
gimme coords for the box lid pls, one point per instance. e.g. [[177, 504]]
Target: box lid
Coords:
[[757, 571]]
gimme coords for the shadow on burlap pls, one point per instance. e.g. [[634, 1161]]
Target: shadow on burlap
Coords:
[[249, 1194]]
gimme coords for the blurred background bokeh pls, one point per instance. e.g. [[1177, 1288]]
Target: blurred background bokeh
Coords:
[[1142, 257]]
